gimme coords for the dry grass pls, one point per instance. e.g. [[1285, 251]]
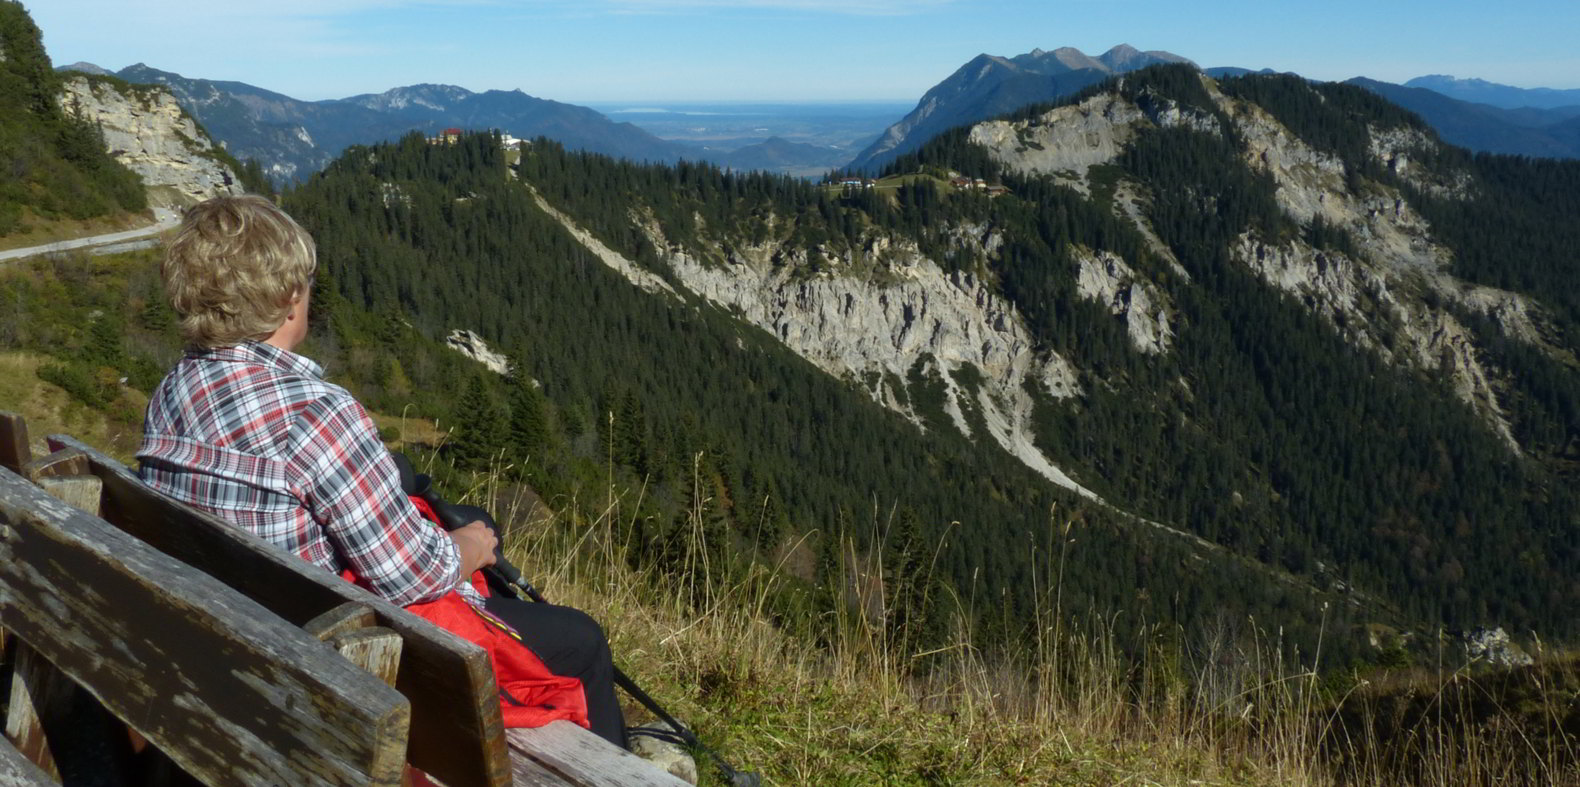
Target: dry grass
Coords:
[[50, 410], [409, 431], [1075, 709]]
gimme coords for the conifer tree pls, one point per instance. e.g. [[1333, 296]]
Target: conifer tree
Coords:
[[529, 428], [104, 342], [479, 426]]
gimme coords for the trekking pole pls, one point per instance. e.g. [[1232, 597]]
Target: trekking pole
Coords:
[[453, 516]]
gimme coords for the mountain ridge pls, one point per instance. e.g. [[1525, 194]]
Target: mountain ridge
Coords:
[[1505, 96], [1485, 127], [1243, 296], [292, 138], [989, 85], [1354, 259]]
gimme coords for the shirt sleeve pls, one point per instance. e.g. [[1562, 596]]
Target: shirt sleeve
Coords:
[[351, 486]]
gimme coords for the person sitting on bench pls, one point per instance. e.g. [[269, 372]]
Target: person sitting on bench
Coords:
[[246, 429]]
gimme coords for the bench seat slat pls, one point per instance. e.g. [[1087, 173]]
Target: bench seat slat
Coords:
[[583, 759]]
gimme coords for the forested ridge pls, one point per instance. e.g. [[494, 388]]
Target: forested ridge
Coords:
[[695, 408], [1263, 430], [1329, 454]]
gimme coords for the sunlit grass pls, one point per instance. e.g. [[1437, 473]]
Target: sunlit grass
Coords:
[[1078, 707]]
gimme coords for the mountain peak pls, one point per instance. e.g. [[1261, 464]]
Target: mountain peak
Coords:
[[1117, 60], [1127, 58], [992, 85], [1072, 58], [86, 68]]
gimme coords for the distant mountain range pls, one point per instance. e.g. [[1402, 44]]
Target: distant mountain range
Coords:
[[1526, 131], [1481, 91], [292, 138], [990, 85]]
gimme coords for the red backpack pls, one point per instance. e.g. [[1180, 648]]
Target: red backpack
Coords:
[[529, 695]]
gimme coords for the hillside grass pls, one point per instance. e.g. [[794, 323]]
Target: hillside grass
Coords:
[[50, 410], [840, 701]]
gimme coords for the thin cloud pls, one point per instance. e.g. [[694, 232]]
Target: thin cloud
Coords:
[[848, 7]]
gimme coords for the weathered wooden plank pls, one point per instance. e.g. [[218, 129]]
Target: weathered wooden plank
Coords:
[[65, 475], [349, 616], [528, 773], [230, 692], [17, 771], [456, 732], [78, 491], [14, 450], [584, 759], [64, 462], [36, 689], [375, 649]]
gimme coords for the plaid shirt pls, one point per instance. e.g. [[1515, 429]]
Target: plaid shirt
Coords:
[[255, 435]]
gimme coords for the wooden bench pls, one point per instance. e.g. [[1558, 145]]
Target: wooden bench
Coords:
[[455, 731], [229, 692]]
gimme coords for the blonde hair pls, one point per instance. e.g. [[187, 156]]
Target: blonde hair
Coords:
[[233, 268]]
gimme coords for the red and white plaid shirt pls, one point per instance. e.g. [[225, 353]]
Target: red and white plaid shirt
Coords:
[[254, 434]]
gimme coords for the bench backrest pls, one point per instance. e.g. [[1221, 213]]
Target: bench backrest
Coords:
[[229, 691], [455, 734]]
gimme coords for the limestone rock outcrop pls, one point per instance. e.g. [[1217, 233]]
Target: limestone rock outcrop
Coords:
[[1494, 647], [469, 344], [1104, 277], [907, 317], [147, 131], [1068, 141], [1378, 295], [915, 316]]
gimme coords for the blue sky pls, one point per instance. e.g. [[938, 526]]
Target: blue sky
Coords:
[[797, 50]]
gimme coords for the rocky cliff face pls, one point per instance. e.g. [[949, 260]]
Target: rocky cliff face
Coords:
[[908, 318], [1067, 142], [915, 318], [1379, 298], [146, 130], [1104, 277], [889, 313]]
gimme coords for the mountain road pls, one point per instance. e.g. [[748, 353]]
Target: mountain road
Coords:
[[164, 219]]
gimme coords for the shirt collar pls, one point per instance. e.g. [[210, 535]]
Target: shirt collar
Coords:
[[256, 352]]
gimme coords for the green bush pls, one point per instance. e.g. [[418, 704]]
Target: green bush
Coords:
[[78, 380]]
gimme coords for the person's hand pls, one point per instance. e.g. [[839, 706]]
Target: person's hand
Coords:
[[476, 542]]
